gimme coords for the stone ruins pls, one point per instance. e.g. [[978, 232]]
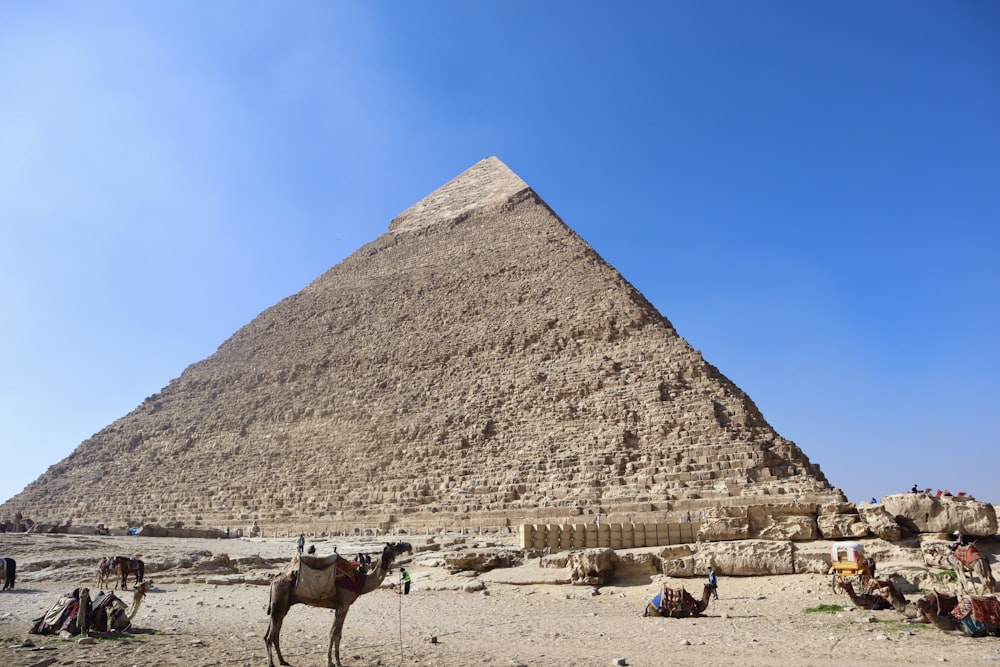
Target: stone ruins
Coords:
[[477, 364]]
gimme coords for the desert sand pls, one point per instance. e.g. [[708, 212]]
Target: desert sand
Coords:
[[209, 599]]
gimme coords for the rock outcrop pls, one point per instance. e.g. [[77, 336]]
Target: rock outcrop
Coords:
[[944, 514], [742, 558]]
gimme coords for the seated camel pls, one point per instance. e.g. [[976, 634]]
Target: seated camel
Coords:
[[678, 603]]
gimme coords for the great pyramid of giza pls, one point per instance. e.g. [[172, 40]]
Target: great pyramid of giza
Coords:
[[477, 362]]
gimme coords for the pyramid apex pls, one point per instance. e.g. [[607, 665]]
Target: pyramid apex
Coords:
[[488, 182]]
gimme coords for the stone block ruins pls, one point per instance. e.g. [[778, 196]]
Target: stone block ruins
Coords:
[[477, 364]]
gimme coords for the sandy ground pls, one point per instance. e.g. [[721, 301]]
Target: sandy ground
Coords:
[[208, 607]]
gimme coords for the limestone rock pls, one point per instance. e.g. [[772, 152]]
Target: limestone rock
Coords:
[[932, 514], [477, 561], [739, 558], [841, 526], [592, 567], [724, 528], [881, 523]]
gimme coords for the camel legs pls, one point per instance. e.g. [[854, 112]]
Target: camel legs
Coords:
[[981, 569], [340, 613], [276, 610]]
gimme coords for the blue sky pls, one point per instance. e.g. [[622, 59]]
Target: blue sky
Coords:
[[809, 191]]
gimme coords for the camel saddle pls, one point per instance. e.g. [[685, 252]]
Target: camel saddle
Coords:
[[984, 609], [316, 576], [677, 599], [967, 554]]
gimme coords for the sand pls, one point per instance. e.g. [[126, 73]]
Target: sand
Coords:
[[209, 600]]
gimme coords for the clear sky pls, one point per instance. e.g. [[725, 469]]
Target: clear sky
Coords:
[[809, 191]]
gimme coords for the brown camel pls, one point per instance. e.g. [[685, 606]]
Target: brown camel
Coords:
[[333, 586], [871, 601], [678, 603], [970, 565], [897, 600], [936, 609], [138, 593]]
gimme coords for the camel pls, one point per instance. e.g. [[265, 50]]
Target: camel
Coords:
[[678, 603], [294, 586], [872, 601], [138, 593], [936, 609], [123, 566], [78, 613], [8, 571], [970, 565]]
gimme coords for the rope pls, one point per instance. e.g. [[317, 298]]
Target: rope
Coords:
[[399, 622]]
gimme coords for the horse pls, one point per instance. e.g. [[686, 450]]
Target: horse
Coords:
[[8, 568], [123, 566]]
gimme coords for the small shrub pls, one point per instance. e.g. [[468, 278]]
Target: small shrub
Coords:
[[826, 609]]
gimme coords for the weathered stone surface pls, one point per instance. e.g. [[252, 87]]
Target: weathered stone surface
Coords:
[[477, 561], [742, 558], [478, 362], [592, 567], [932, 514], [880, 522], [841, 526]]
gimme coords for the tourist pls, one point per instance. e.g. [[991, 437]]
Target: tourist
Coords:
[[914, 489], [714, 581], [301, 543]]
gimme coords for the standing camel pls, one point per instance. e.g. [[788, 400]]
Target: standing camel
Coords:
[[331, 587], [971, 566]]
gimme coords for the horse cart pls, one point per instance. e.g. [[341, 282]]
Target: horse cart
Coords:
[[849, 564]]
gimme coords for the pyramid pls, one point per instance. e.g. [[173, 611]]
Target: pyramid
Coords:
[[479, 362]]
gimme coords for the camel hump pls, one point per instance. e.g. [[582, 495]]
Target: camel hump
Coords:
[[318, 562]]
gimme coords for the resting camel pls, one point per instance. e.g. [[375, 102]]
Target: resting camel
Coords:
[[678, 603], [970, 565], [123, 566], [294, 586], [871, 601], [936, 608], [8, 571]]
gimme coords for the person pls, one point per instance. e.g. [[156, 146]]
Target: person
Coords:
[[712, 579], [405, 578], [301, 543], [961, 540], [311, 550], [914, 489]]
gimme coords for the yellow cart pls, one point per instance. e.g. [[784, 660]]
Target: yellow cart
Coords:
[[848, 563]]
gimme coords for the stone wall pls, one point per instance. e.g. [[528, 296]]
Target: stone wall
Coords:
[[563, 537]]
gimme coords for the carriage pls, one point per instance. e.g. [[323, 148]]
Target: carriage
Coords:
[[848, 563]]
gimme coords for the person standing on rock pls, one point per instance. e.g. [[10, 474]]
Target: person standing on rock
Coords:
[[714, 581], [301, 543]]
